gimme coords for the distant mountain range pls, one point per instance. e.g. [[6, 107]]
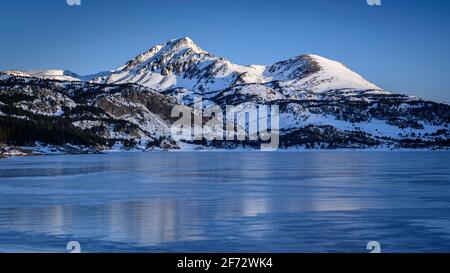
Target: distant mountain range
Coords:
[[323, 105]]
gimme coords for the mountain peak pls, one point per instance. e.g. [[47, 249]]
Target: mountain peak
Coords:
[[171, 48], [184, 42]]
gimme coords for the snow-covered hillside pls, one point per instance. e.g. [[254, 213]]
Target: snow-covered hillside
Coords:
[[54, 74], [323, 103]]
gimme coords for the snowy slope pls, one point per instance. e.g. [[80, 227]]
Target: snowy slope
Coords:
[[317, 74], [54, 74]]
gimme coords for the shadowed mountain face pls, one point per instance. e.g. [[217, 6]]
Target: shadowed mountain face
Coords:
[[323, 104]]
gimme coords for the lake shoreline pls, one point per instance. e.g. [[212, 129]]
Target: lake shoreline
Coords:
[[13, 151]]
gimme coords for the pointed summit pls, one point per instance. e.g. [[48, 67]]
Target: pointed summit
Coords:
[[173, 49], [184, 42]]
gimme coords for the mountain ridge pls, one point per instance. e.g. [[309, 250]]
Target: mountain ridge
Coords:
[[181, 57], [323, 104]]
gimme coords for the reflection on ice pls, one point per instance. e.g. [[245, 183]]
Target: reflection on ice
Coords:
[[227, 201]]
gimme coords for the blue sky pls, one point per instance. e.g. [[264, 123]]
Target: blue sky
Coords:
[[402, 46]]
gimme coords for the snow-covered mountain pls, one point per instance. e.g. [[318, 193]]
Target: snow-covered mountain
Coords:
[[322, 102], [183, 64]]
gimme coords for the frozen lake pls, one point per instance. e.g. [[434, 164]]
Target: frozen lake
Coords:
[[227, 202]]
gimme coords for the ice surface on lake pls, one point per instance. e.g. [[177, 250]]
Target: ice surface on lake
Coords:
[[227, 202]]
